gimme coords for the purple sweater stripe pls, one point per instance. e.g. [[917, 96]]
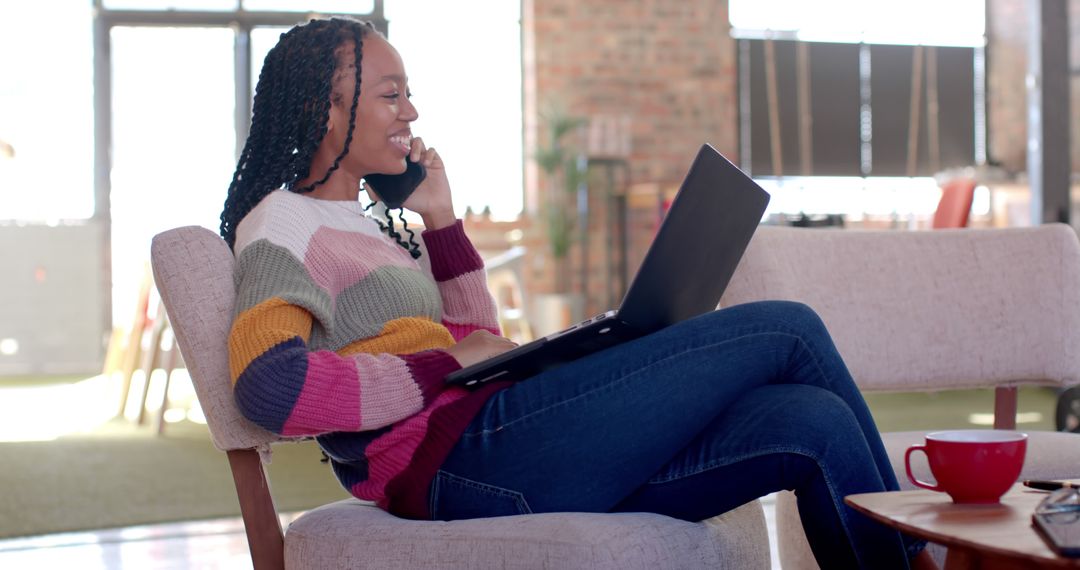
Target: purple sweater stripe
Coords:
[[451, 252]]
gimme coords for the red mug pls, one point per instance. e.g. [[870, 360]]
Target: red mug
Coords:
[[972, 466]]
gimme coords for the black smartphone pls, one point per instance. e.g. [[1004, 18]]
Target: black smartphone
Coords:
[[394, 189], [1061, 531]]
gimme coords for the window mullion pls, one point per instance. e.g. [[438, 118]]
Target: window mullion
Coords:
[[242, 83]]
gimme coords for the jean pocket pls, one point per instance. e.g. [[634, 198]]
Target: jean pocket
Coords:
[[454, 497]]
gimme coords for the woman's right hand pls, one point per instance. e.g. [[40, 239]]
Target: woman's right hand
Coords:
[[480, 345]]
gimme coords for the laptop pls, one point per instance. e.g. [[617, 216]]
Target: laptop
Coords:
[[684, 273]]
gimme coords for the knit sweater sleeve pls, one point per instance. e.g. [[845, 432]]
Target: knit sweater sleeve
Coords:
[[458, 270], [289, 389]]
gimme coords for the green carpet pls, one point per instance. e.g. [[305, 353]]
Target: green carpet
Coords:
[[955, 409], [123, 476]]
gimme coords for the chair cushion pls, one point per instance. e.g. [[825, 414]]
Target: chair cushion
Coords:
[[353, 534]]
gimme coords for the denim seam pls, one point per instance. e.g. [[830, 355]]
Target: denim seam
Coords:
[[721, 462], [494, 490], [624, 377], [433, 495]]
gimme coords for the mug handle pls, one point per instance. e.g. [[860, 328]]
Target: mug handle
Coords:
[[910, 476]]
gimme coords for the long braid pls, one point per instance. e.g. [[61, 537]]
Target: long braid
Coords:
[[411, 246], [289, 114], [352, 120]]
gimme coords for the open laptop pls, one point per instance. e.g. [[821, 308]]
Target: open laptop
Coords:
[[688, 266]]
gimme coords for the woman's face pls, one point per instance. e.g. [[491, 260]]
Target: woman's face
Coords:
[[381, 136]]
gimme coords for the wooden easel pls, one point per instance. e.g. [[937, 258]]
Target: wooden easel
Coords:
[[127, 357]]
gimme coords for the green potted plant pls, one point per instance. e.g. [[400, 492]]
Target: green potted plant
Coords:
[[559, 160]]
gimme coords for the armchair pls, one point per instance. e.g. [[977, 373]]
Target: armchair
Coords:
[[933, 310], [193, 269]]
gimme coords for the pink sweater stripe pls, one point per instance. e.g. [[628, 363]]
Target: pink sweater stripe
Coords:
[[461, 331], [330, 384], [337, 259], [392, 453], [466, 300], [388, 391]]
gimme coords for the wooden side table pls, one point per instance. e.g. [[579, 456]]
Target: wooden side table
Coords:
[[978, 536]]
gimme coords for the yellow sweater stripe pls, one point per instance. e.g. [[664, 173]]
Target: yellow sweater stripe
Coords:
[[263, 327]]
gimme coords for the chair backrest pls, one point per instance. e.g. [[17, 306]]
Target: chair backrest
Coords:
[[954, 208], [193, 271], [933, 309]]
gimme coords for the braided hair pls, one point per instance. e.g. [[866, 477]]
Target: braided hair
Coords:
[[289, 117]]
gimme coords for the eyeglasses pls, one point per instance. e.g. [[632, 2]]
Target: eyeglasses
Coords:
[[1062, 505]]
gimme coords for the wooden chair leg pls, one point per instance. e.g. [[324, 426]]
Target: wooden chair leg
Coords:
[[1005, 407], [151, 360], [265, 539], [130, 359]]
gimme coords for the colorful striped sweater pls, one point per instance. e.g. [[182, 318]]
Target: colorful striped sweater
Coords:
[[338, 334]]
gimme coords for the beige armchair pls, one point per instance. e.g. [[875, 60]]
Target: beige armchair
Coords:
[[193, 268], [933, 310]]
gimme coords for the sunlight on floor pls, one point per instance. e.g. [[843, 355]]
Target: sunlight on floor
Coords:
[[45, 413], [48, 412]]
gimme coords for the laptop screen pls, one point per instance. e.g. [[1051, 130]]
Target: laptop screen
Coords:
[[699, 244]]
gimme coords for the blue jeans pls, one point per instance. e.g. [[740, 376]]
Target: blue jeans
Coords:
[[689, 422]]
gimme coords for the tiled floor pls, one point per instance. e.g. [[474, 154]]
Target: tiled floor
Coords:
[[218, 544], [192, 545], [196, 545]]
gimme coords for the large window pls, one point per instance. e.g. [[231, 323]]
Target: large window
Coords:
[[182, 75], [838, 109], [46, 111], [173, 140], [838, 97]]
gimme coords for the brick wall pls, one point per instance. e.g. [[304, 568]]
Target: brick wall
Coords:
[[663, 72], [1006, 97], [668, 66], [1007, 28]]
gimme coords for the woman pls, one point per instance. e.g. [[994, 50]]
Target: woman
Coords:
[[341, 334]]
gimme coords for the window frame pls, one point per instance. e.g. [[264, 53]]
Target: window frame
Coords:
[[241, 21]]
